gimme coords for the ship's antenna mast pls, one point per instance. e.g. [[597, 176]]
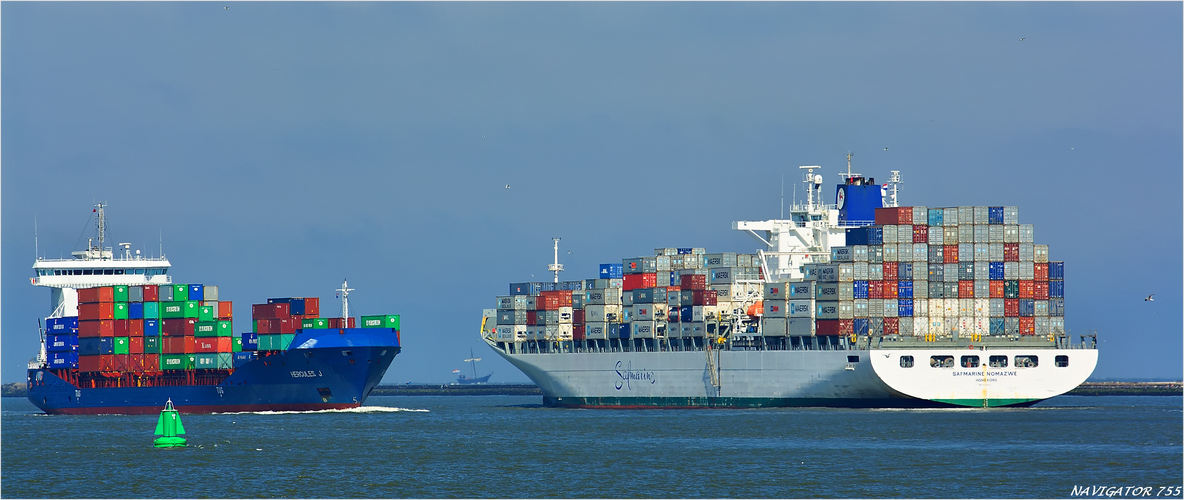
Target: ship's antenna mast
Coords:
[[344, 292], [102, 226], [810, 181], [782, 196], [36, 248], [894, 181], [556, 267]]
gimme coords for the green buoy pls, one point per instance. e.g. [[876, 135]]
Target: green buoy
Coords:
[[169, 427]]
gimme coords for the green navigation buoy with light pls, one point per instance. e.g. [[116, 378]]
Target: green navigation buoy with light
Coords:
[[169, 427]]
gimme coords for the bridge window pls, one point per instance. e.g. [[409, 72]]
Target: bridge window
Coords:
[[108, 271], [86, 272], [1026, 361], [998, 361], [852, 359], [906, 361], [1061, 361], [139, 271], [969, 361], [119, 271], [941, 361]]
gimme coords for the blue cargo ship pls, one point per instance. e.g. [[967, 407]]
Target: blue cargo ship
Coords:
[[317, 368]]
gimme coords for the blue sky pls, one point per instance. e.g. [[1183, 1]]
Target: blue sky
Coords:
[[277, 148]]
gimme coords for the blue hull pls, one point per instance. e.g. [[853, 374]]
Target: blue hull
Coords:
[[324, 369]]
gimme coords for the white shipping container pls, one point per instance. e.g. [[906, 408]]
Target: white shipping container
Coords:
[[1027, 233], [951, 273], [846, 272], [921, 289], [889, 234], [875, 254], [774, 327], [859, 270], [511, 333], [860, 308], [826, 310], [982, 270], [1011, 215], [1040, 254], [776, 309], [875, 308], [1040, 308], [904, 233], [920, 326], [890, 252], [937, 325], [650, 312], [920, 215], [950, 217], [965, 215], [995, 308], [982, 288], [1043, 326], [966, 252], [891, 308], [951, 235], [996, 252], [602, 312], [846, 292], [981, 215], [906, 327], [1056, 325], [875, 272], [936, 236], [920, 252], [596, 330], [800, 326], [1011, 234], [995, 234], [1011, 270], [920, 307], [565, 316], [982, 252], [859, 253], [949, 307], [966, 233], [642, 330], [965, 327], [801, 308], [966, 307], [982, 326], [846, 309], [704, 313], [1027, 270]]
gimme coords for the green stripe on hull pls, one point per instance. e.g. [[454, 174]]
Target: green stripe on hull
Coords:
[[706, 402], [989, 403]]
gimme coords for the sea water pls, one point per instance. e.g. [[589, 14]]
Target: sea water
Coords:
[[511, 446]]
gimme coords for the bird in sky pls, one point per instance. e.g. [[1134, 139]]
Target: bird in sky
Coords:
[[1021, 39], [227, 8], [885, 149], [1150, 298], [507, 186]]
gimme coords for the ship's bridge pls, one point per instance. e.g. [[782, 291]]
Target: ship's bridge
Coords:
[[90, 269]]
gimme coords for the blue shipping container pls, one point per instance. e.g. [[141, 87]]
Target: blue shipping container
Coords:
[[92, 346], [995, 215], [250, 341], [904, 290], [63, 360], [685, 314], [1056, 307], [1056, 270], [197, 292], [684, 251], [625, 330], [242, 358], [526, 288], [1027, 307], [937, 273], [61, 343], [995, 326], [861, 289], [904, 308], [135, 310], [62, 325], [936, 217], [612, 271], [1056, 289], [860, 326], [151, 327], [857, 236], [995, 270]]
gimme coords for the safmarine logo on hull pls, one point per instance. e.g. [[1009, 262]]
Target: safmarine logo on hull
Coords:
[[628, 375]]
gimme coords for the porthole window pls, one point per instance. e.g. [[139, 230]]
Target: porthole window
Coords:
[[906, 361], [941, 361], [1026, 361], [1061, 361], [998, 361], [969, 361]]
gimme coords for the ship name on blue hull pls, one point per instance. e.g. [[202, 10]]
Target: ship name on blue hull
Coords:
[[305, 374], [629, 375]]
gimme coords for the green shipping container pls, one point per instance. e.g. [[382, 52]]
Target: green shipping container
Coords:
[[225, 329], [120, 294], [206, 361], [265, 342], [236, 344], [306, 323], [180, 293], [121, 345], [392, 321], [205, 329], [254, 326], [192, 309], [151, 345], [1011, 289], [152, 310], [176, 361], [120, 310], [206, 313], [225, 361], [285, 341], [373, 321], [320, 323], [172, 310]]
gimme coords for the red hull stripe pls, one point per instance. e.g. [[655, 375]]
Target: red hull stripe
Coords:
[[152, 410]]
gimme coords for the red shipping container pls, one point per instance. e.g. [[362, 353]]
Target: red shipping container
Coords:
[[577, 332], [122, 363], [177, 345], [278, 310], [1011, 308], [95, 295], [672, 289], [177, 327], [890, 289], [563, 295], [577, 316], [206, 344], [875, 289], [151, 293], [135, 345], [692, 282], [150, 363], [532, 318], [996, 289], [285, 325], [88, 363], [966, 289], [1028, 289], [226, 310], [950, 253], [891, 326], [635, 281], [312, 307], [704, 297], [1027, 325], [122, 327], [1011, 252], [1040, 289], [547, 302], [827, 327], [107, 362], [890, 271], [263, 326], [894, 215], [135, 328], [96, 328], [1041, 272], [96, 311], [920, 234], [846, 327]]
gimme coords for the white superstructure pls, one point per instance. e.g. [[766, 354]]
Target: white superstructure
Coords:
[[98, 265]]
